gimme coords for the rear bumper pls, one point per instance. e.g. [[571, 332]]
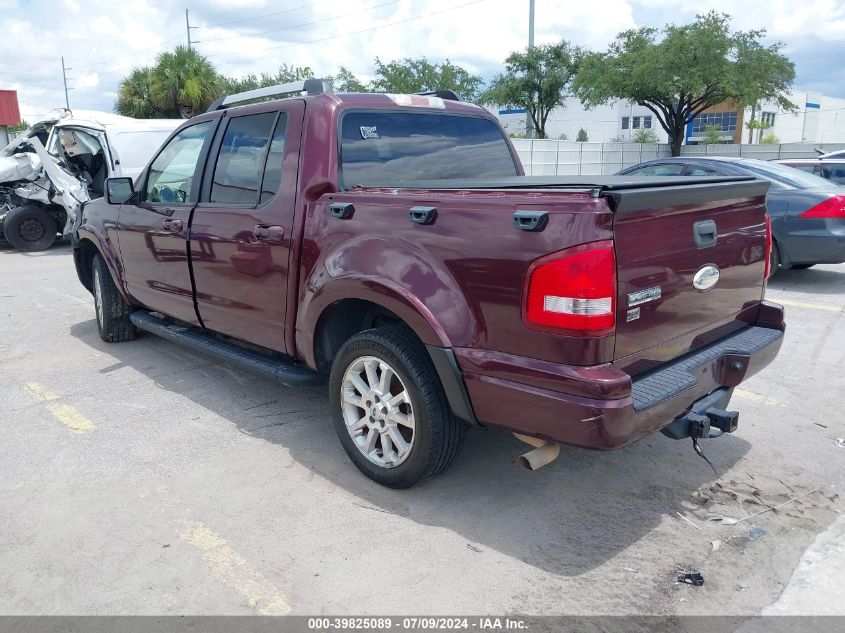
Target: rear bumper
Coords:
[[824, 245], [603, 407]]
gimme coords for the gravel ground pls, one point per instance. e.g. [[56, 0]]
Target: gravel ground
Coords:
[[140, 478]]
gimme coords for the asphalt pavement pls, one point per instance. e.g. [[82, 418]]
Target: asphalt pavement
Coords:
[[142, 478]]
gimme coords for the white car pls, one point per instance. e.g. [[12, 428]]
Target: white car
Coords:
[[840, 154], [43, 186]]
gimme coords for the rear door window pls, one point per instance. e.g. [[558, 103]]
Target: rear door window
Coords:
[[239, 168], [388, 148], [275, 159]]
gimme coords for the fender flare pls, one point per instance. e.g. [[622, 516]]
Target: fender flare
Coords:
[[378, 291], [86, 235]]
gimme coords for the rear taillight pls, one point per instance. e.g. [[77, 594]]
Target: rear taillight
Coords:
[[574, 289], [768, 269], [831, 208]]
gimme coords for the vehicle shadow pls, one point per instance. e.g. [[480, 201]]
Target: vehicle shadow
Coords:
[[568, 518], [818, 280], [59, 247]]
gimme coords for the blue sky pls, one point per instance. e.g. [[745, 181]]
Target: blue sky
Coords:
[[102, 40]]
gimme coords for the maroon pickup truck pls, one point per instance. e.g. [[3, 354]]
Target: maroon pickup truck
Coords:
[[392, 244]]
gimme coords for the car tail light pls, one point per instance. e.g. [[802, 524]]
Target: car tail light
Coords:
[[574, 289], [768, 270], [831, 208]]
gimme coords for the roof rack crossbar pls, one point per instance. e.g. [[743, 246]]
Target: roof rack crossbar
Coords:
[[279, 91], [448, 95]]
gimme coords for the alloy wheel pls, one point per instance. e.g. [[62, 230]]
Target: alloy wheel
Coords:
[[377, 411]]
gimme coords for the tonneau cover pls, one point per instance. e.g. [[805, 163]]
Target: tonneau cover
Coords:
[[604, 183]]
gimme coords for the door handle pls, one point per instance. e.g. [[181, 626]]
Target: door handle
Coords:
[[704, 233], [264, 233], [172, 225], [530, 220]]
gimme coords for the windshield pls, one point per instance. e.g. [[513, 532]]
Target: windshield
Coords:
[[783, 174], [390, 147]]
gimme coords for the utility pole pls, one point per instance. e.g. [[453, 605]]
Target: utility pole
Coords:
[[529, 125], [188, 28], [64, 80]]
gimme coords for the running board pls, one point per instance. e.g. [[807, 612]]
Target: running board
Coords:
[[284, 372]]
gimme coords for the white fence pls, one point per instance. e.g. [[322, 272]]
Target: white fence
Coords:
[[546, 157]]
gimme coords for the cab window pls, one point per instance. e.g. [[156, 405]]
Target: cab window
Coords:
[[171, 174], [240, 165]]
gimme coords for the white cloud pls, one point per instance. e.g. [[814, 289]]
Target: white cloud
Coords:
[[103, 40]]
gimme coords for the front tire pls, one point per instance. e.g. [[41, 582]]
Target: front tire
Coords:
[[112, 311], [389, 409], [30, 228]]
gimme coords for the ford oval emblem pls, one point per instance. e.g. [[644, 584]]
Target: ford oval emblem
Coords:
[[705, 277]]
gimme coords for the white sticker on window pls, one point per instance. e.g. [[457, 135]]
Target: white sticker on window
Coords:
[[369, 131]]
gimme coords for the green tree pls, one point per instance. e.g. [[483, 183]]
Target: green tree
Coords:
[[756, 124], [346, 81], [134, 95], [536, 80], [691, 68], [582, 136], [712, 135], [420, 75], [184, 83], [285, 74], [645, 136], [770, 139]]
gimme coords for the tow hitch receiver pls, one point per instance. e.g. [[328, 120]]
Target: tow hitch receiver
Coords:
[[706, 416]]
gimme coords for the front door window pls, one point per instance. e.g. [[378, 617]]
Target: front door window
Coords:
[[171, 178]]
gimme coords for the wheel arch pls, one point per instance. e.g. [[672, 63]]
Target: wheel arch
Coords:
[[85, 247]]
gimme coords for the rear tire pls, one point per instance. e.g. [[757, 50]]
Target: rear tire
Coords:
[[30, 228], [112, 311], [774, 262], [389, 409]]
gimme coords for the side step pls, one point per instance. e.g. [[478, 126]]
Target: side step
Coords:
[[284, 372]]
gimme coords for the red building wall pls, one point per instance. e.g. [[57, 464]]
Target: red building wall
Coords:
[[10, 113]]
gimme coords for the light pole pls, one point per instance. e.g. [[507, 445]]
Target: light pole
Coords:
[[529, 125]]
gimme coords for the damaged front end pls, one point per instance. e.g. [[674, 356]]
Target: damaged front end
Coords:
[[36, 178]]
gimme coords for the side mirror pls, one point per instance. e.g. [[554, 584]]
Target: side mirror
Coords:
[[119, 190]]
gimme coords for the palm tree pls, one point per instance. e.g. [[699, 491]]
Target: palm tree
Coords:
[[184, 83], [133, 95]]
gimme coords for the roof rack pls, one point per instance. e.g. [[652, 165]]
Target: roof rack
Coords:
[[449, 95], [279, 91]]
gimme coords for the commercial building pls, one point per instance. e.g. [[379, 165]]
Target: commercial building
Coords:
[[817, 119], [10, 114]]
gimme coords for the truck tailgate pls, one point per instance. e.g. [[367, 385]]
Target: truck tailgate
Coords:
[[690, 258]]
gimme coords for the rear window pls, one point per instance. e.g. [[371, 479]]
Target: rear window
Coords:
[[782, 174], [389, 148], [667, 169], [810, 168], [834, 173]]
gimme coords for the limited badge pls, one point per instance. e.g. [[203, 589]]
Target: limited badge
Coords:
[[644, 296], [369, 131]]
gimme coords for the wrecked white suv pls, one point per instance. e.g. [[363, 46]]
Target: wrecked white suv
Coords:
[[43, 186]]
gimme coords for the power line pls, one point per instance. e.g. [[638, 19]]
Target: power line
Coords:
[[375, 28], [257, 17], [294, 26]]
